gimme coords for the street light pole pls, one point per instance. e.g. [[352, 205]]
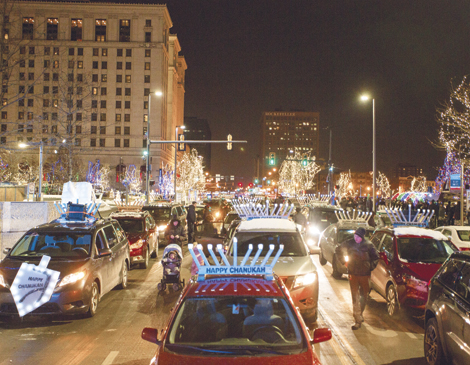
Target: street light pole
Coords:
[[176, 153], [374, 167], [40, 171], [147, 161]]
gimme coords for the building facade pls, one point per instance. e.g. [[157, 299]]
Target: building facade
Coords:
[[83, 76], [198, 129], [285, 131]]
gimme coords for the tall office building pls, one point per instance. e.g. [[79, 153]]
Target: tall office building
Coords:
[[198, 129], [285, 131], [87, 73]]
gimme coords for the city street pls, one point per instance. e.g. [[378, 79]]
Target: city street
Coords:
[[113, 335]]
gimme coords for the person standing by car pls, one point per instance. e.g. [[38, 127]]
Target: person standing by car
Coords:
[[175, 233], [299, 218], [207, 219], [191, 219], [360, 257]]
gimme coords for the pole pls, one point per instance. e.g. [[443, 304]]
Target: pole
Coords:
[[176, 156], [329, 164], [40, 171], [147, 161], [373, 156], [462, 186]]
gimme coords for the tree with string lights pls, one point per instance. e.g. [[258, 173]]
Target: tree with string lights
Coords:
[[383, 185], [297, 172], [344, 186], [190, 174]]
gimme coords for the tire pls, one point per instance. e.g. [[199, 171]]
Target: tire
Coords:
[[124, 273], [144, 265], [432, 344], [392, 301], [94, 299], [336, 274], [323, 261]]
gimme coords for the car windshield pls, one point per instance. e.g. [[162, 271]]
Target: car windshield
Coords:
[[160, 213], [464, 235], [292, 241], [345, 234], [131, 225], [70, 245], [323, 216], [236, 325], [426, 250]]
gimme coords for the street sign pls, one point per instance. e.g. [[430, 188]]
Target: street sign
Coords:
[[455, 182], [33, 285]]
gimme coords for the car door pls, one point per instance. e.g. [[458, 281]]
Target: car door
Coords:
[[375, 276], [104, 269], [328, 243], [118, 253]]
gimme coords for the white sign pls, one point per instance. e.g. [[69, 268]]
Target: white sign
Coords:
[[33, 286]]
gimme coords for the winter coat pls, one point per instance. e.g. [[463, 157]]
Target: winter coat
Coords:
[[299, 218], [191, 217], [362, 257], [174, 231]]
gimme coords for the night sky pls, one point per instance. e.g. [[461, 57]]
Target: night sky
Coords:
[[246, 57]]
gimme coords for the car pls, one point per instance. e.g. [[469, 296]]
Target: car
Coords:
[[408, 259], [446, 325], [163, 212], [319, 217], [91, 255], [232, 215], [334, 236], [235, 318], [297, 268], [141, 231], [459, 235], [219, 209]]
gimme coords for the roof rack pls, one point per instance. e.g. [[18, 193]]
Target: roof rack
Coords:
[[241, 269], [134, 206], [356, 216], [250, 211], [76, 213], [420, 219]]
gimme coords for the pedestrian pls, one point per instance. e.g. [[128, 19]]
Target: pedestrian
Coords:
[[360, 257], [369, 204], [175, 233], [299, 218], [207, 220], [457, 213], [191, 220], [442, 214]]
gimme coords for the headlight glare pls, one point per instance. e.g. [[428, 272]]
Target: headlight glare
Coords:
[[313, 230], [3, 282], [305, 280], [137, 244], [162, 227], [72, 278]]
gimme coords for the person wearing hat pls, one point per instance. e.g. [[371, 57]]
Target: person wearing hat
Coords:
[[191, 221], [360, 257]]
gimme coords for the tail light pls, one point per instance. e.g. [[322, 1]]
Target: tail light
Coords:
[[464, 248]]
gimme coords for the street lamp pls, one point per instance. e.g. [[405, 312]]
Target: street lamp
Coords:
[[176, 152], [41, 144], [147, 153], [366, 98]]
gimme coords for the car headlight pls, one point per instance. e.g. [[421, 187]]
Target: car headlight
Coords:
[[162, 227], [3, 282], [217, 214], [137, 244], [414, 282], [313, 230], [310, 242], [304, 280], [72, 278]]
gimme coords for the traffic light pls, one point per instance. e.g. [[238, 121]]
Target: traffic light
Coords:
[[250, 185], [272, 159], [304, 162], [181, 146], [268, 182], [229, 145], [256, 181], [240, 185]]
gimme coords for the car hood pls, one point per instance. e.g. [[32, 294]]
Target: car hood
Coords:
[[421, 271], [289, 265], [9, 267], [133, 237]]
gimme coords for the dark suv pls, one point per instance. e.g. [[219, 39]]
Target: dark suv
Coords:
[[162, 213], [446, 323], [91, 256]]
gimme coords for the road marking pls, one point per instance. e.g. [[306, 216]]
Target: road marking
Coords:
[[381, 333], [110, 358]]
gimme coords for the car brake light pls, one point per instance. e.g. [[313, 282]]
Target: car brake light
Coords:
[[464, 248]]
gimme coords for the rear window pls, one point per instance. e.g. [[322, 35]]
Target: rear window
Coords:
[[425, 250], [293, 244], [159, 213], [345, 234], [131, 225]]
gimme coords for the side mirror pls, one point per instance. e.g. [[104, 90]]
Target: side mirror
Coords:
[[105, 252], [315, 250], [321, 335], [150, 335], [6, 251]]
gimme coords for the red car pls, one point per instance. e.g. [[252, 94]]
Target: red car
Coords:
[[235, 319], [409, 258], [141, 231]]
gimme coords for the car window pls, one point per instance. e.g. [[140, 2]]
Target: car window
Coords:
[[464, 235], [131, 225], [376, 239], [387, 247], [151, 222], [422, 249], [101, 243], [447, 233], [110, 235], [462, 284], [293, 244], [329, 231], [449, 273], [159, 213], [345, 234], [230, 217], [119, 231]]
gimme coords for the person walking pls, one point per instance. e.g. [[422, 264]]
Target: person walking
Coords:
[[191, 220], [360, 257], [207, 220], [175, 233]]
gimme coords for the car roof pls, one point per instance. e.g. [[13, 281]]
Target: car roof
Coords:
[[353, 225], [267, 224], [235, 285], [131, 215], [461, 228], [324, 207], [56, 226], [416, 231]]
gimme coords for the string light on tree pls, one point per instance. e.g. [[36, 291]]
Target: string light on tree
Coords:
[[298, 171], [190, 175]]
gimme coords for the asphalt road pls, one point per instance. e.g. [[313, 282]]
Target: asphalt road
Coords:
[[113, 335]]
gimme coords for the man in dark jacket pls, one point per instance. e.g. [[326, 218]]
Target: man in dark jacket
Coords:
[[299, 218], [191, 219], [360, 257], [175, 233]]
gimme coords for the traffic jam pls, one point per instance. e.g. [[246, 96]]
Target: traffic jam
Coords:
[[255, 294]]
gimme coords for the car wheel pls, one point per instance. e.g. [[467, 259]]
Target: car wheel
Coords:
[[94, 299], [322, 259], [124, 273], [392, 301], [432, 344], [336, 273], [145, 264]]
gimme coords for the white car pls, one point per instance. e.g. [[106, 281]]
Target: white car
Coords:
[[459, 235]]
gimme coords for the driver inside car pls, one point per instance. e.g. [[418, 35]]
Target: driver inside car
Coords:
[[263, 319]]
